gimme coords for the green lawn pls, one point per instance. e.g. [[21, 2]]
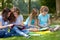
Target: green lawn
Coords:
[[52, 36]]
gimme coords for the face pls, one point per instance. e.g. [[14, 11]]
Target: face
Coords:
[[44, 13], [15, 14], [5, 16], [9, 14]]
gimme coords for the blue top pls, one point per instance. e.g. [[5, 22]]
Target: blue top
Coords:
[[27, 21], [43, 19]]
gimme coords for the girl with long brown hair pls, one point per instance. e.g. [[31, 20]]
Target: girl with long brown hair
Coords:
[[32, 19], [4, 23], [17, 20]]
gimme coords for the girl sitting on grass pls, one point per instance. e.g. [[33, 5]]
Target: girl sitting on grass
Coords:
[[17, 20], [44, 17], [4, 23], [32, 20]]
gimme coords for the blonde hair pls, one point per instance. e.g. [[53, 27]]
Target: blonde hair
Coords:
[[44, 8]]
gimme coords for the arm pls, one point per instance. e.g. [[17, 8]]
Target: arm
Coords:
[[49, 22], [29, 23], [36, 22], [1, 27], [20, 21], [30, 19]]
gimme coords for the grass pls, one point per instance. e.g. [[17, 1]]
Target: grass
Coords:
[[53, 36]]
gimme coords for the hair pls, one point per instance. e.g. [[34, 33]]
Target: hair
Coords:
[[5, 13], [12, 18], [44, 8], [34, 11], [16, 10]]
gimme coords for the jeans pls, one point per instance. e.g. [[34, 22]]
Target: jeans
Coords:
[[4, 33], [17, 32]]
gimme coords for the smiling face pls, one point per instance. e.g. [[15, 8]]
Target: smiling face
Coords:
[[15, 14], [16, 11], [44, 13]]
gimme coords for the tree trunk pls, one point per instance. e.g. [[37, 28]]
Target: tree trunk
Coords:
[[29, 6], [2, 4], [58, 7]]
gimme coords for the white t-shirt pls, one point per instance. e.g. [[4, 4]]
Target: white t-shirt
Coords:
[[19, 20]]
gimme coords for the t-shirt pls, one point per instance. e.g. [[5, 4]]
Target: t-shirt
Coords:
[[43, 20], [27, 21], [19, 20], [4, 23]]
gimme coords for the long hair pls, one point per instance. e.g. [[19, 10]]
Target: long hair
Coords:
[[5, 13], [12, 18], [34, 14], [17, 10]]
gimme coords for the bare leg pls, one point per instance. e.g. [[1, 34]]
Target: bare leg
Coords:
[[33, 29], [57, 28]]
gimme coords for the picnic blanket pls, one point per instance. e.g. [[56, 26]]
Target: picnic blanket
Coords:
[[39, 33], [42, 31]]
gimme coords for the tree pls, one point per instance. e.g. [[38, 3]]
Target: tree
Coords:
[[2, 4], [58, 7], [21, 5], [6, 3], [50, 3]]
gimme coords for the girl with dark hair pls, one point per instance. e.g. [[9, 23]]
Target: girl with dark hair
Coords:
[[17, 19], [4, 22]]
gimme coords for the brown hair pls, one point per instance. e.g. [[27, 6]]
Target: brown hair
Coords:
[[44, 8], [34, 13], [5, 13], [12, 18], [16, 10]]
